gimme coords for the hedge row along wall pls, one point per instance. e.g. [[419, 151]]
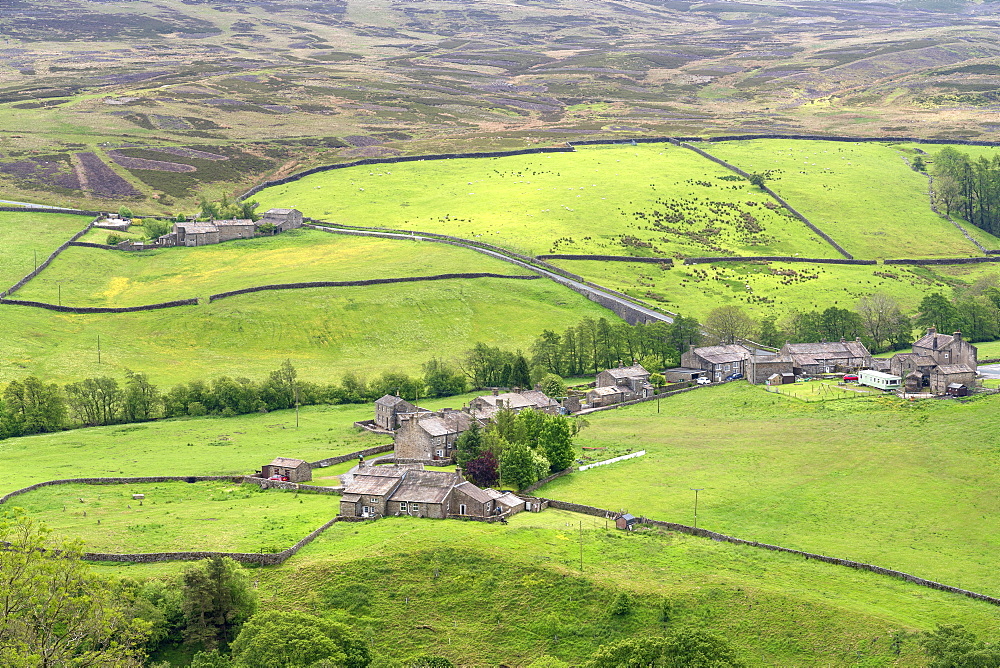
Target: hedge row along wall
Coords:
[[20, 284], [703, 533], [776, 258], [101, 309], [407, 158], [369, 281]]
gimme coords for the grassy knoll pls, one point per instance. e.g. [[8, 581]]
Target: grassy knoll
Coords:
[[27, 236], [863, 195], [904, 485], [178, 516], [113, 278], [188, 446], [596, 200], [324, 331], [493, 594], [774, 287]]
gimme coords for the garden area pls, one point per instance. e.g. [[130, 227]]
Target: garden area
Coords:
[[823, 390]]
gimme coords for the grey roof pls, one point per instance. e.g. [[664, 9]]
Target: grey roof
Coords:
[[278, 212], [389, 470], [442, 424], [389, 400], [510, 499], [950, 369], [722, 354], [233, 221], [509, 399], [629, 517], [425, 487], [633, 371], [933, 340], [287, 462], [352, 498], [955, 386], [370, 485], [606, 391], [474, 492], [196, 228], [826, 351], [539, 398]]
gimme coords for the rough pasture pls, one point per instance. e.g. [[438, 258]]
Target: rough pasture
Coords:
[[642, 200], [864, 195], [23, 236], [774, 288], [102, 180]]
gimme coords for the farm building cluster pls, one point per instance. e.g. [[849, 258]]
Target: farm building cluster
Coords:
[[939, 364], [204, 233]]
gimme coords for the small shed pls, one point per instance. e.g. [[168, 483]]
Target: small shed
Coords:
[[957, 390], [683, 374], [284, 468], [913, 382], [626, 522], [781, 378]]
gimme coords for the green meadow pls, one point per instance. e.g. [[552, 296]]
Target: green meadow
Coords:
[[325, 332], [179, 516], [864, 195], [95, 277], [774, 288], [595, 200], [27, 237], [905, 485], [189, 446]]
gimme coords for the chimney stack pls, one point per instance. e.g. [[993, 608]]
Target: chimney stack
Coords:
[[958, 336], [496, 392], [931, 330]]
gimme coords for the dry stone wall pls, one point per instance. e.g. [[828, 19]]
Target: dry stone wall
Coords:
[[100, 309], [17, 286], [340, 459]]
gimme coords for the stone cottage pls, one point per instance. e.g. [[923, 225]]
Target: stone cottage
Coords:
[[810, 359], [389, 408], [634, 380], [419, 493], [282, 219], [427, 437], [940, 360], [295, 470], [487, 406], [944, 375], [719, 361]]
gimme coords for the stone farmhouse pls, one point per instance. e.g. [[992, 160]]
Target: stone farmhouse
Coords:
[[282, 219], [430, 437], [810, 359], [487, 406], [410, 490], [939, 360], [719, 361], [204, 233], [624, 383], [388, 410]]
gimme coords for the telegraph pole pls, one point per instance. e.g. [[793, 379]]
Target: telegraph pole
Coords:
[[696, 505], [98, 348]]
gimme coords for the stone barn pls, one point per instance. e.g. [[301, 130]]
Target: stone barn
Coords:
[[295, 470], [947, 374], [282, 219]]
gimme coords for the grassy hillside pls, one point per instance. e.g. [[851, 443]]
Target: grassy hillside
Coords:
[[94, 277], [774, 288], [323, 331], [25, 237], [581, 202], [904, 485], [864, 195]]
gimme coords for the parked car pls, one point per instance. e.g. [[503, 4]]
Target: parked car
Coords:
[[851, 378], [704, 380], [734, 376]]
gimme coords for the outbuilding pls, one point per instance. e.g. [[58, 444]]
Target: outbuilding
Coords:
[[957, 390], [284, 468], [626, 522]]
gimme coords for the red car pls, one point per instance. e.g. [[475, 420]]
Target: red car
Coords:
[[851, 378]]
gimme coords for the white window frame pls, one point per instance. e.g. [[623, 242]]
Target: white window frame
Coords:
[[414, 507], [402, 506], [461, 509], [439, 453]]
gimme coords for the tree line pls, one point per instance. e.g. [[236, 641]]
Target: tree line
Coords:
[[968, 187]]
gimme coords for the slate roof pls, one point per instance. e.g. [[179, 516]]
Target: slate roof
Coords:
[[370, 485], [512, 400], [933, 340], [722, 354], [539, 398], [197, 228], [278, 212], [442, 424], [606, 391], [829, 350], [955, 386], [424, 487], [389, 400], [634, 371], [287, 462], [920, 360], [474, 492], [950, 369]]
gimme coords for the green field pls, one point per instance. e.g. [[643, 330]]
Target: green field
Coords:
[[179, 516], [775, 288], [325, 332], [189, 446], [862, 194], [94, 277], [27, 237], [905, 485], [581, 202], [823, 390]]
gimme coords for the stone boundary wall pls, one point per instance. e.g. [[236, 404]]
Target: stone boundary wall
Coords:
[[703, 533], [340, 459], [608, 258], [621, 306], [587, 411], [776, 258], [930, 199], [788, 207], [894, 140], [405, 158], [117, 481], [20, 284], [370, 281], [946, 260], [544, 481], [88, 244], [40, 209], [100, 309], [264, 483]]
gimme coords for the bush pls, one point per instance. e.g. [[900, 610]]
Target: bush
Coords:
[[622, 605], [114, 239]]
